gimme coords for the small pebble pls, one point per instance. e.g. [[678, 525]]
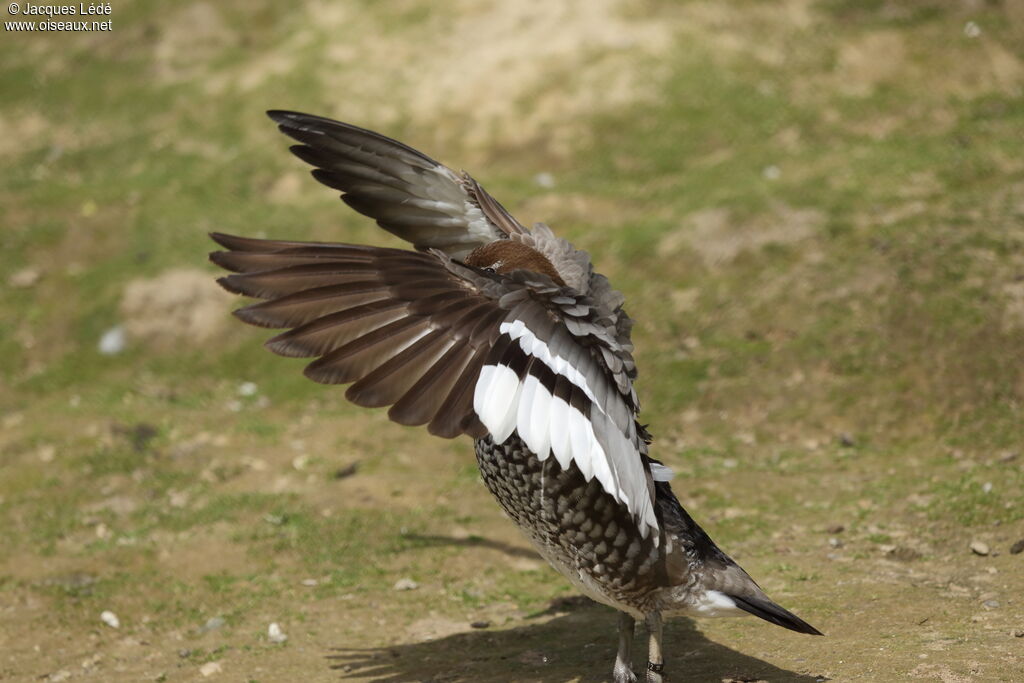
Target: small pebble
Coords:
[[346, 471], [112, 342], [836, 529], [275, 634], [481, 624], [991, 604], [110, 619], [1017, 548], [979, 548], [846, 440], [61, 675], [835, 543], [311, 583], [904, 554], [210, 669], [406, 585], [1018, 633], [247, 389], [545, 180]]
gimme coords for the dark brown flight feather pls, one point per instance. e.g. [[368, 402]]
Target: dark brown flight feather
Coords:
[[407, 192], [399, 325]]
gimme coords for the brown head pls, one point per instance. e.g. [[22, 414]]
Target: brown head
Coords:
[[504, 256]]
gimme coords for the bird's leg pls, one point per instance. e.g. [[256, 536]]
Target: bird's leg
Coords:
[[655, 661], [622, 672]]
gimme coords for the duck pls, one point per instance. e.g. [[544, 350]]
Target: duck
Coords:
[[507, 335]]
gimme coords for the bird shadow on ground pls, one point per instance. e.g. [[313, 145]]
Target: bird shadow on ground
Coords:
[[426, 540], [576, 645]]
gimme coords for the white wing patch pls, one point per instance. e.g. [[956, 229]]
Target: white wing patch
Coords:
[[497, 397], [533, 346], [549, 425], [477, 225], [661, 473]]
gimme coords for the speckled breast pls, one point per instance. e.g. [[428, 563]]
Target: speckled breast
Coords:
[[581, 530]]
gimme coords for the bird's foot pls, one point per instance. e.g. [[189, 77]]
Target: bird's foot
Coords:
[[621, 673], [656, 672]]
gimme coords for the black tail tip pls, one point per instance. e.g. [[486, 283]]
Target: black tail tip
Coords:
[[769, 611]]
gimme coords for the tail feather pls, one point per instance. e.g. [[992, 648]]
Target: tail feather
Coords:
[[776, 614], [727, 587]]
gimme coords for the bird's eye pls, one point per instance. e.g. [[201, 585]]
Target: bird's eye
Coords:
[[488, 269]]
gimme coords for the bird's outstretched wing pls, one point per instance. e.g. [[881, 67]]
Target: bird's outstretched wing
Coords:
[[442, 343], [407, 192], [452, 347]]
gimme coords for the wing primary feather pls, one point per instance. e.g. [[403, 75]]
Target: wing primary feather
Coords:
[[389, 381], [359, 357], [458, 405], [332, 331], [237, 243], [294, 310], [420, 404]]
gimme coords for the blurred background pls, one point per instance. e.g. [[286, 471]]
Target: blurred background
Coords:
[[815, 209]]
